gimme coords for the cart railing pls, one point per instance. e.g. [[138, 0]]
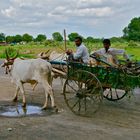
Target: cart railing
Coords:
[[108, 76], [115, 77]]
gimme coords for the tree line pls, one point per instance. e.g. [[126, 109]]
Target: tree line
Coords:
[[131, 32]]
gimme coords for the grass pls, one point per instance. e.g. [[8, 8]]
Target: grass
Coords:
[[31, 50], [135, 52]]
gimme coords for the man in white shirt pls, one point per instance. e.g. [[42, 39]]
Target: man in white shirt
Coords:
[[106, 52], [81, 54]]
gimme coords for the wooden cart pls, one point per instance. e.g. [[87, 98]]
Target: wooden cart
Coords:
[[86, 86]]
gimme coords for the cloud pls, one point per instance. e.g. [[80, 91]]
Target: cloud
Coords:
[[90, 12], [9, 12], [35, 16]]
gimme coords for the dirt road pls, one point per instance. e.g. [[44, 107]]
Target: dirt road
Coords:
[[115, 120]]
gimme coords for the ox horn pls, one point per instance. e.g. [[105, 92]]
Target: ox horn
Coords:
[[47, 51], [44, 55]]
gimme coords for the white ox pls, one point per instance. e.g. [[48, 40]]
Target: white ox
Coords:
[[58, 56], [58, 70], [32, 71], [53, 56]]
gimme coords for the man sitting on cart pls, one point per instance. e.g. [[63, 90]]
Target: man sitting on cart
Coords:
[[110, 54], [81, 54]]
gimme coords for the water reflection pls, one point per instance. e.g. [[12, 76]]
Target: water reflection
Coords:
[[18, 110]]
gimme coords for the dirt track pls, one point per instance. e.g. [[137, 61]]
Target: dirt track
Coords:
[[115, 120]]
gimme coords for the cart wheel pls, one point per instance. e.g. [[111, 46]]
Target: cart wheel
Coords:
[[85, 93], [113, 94]]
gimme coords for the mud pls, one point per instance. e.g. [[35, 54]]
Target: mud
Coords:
[[115, 120]]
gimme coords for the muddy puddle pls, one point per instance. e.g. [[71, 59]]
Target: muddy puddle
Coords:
[[16, 110]]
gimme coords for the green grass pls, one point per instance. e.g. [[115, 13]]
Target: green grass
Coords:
[[135, 52], [31, 50]]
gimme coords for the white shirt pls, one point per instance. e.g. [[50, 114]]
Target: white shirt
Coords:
[[82, 53], [114, 52]]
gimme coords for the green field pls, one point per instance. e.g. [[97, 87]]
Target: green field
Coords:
[[31, 50]]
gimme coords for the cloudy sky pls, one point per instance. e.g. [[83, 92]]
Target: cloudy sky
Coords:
[[97, 18]]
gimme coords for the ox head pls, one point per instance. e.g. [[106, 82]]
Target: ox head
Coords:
[[8, 62], [44, 55]]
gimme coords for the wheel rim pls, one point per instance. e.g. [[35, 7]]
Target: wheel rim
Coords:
[[113, 94], [85, 94]]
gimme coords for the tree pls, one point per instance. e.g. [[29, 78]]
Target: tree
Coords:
[[27, 38], [40, 38], [10, 39], [117, 39], [57, 36], [72, 36], [132, 31], [18, 38], [90, 39], [2, 37]]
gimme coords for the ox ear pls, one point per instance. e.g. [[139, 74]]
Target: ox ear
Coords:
[[2, 65]]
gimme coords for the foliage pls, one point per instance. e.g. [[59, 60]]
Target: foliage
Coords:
[[132, 44], [2, 37], [94, 40], [10, 39], [18, 38], [132, 31], [34, 48], [57, 36], [51, 43], [117, 39], [40, 38], [27, 38], [48, 42], [72, 36], [11, 52], [90, 39], [14, 39]]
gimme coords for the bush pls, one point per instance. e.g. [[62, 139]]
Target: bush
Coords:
[[132, 44], [49, 43], [52, 43], [117, 39], [11, 52]]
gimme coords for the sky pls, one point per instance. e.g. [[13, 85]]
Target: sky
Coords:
[[96, 18]]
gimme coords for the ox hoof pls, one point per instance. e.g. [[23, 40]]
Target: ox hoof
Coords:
[[55, 109], [24, 105], [15, 99], [44, 108]]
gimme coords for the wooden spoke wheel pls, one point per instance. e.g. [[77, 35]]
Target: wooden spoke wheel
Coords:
[[113, 94], [85, 93]]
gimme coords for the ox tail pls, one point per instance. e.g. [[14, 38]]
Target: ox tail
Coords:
[[50, 76]]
